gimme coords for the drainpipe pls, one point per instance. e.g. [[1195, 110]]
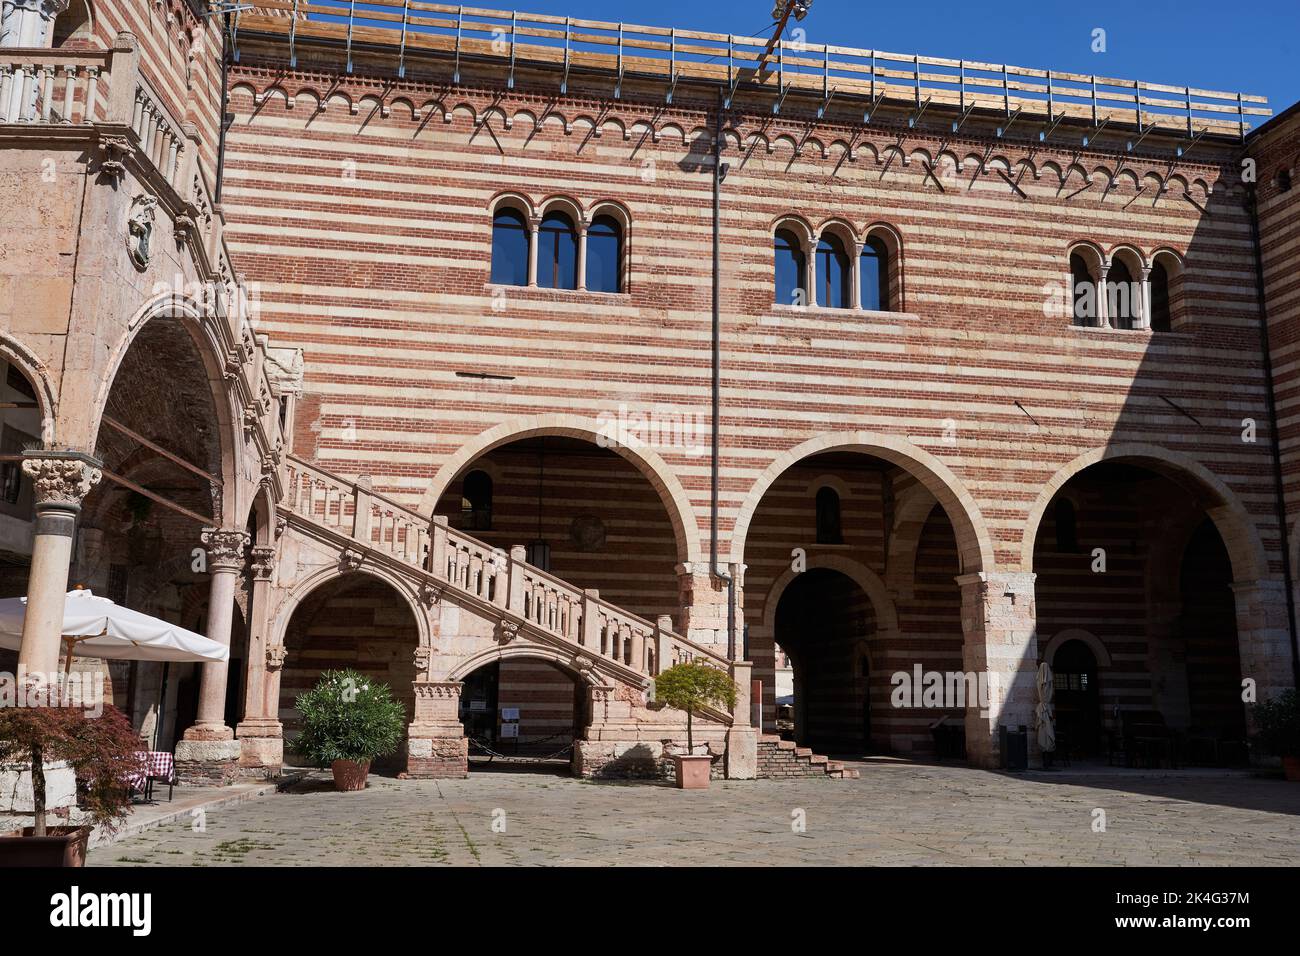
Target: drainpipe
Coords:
[[716, 569], [225, 106], [1253, 209]]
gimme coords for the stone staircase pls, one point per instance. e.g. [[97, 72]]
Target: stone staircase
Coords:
[[364, 525], [783, 759]]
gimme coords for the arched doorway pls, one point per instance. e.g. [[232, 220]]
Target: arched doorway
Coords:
[[522, 713], [824, 623], [163, 446], [355, 621], [1077, 699], [1143, 566], [821, 542]]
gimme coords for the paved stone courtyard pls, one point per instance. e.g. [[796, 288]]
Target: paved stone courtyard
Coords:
[[895, 814]]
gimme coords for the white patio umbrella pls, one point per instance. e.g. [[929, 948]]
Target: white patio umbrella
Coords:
[[97, 627], [1043, 713]]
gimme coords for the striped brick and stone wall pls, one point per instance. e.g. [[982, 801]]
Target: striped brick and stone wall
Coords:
[[361, 206]]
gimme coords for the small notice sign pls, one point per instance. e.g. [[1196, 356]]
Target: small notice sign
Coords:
[[509, 730], [510, 713]]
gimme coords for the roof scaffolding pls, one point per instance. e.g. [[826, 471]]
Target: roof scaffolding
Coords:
[[823, 71]]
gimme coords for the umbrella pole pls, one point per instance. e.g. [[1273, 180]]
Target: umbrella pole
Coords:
[[162, 703]]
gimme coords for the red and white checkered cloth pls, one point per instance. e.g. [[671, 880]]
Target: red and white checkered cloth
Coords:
[[153, 763]]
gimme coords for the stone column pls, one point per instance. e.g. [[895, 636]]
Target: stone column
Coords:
[[436, 746], [260, 734], [1000, 641], [208, 753], [742, 738], [61, 482], [29, 23], [1144, 301], [1103, 298], [535, 227], [1263, 637], [810, 271], [582, 256]]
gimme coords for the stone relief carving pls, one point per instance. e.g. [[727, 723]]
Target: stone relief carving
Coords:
[[139, 227]]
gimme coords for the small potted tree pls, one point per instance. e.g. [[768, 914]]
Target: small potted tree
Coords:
[[104, 753], [691, 687], [1278, 721], [348, 720]]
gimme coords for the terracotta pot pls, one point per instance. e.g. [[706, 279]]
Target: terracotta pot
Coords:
[[350, 775], [1291, 767], [693, 771], [61, 846]]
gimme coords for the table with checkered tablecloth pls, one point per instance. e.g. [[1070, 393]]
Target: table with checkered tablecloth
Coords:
[[153, 763]]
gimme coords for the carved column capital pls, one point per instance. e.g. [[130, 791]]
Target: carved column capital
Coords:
[[61, 482], [263, 561], [225, 548]]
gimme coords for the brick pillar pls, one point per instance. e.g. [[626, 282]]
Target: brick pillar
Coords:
[[60, 483], [208, 752], [436, 746], [1263, 637], [1000, 640], [260, 733]]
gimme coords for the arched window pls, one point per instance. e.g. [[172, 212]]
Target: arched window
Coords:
[[1121, 295], [834, 277], [828, 517], [605, 255], [1160, 315], [557, 253], [1084, 293], [476, 502], [1067, 527], [791, 270], [875, 275], [510, 239]]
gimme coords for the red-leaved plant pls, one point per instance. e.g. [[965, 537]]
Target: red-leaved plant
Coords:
[[103, 752]]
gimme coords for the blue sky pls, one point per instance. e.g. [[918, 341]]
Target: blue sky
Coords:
[[1252, 46]]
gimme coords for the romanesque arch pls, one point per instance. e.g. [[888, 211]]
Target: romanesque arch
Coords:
[[647, 461], [1234, 523], [973, 540]]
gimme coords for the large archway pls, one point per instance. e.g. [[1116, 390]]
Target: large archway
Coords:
[[166, 456], [632, 440], [827, 535], [1138, 614], [583, 512], [356, 621]]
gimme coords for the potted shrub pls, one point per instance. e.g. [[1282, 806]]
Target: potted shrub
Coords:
[[1278, 721], [691, 687], [104, 752], [348, 720]]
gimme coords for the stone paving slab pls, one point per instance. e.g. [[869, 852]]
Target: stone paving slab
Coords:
[[894, 814]]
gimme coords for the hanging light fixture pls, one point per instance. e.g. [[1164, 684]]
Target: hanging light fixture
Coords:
[[539, 551]]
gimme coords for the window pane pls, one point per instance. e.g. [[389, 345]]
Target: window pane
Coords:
[[1121, 296], [509, 248], [834, 277], [604, 256], [557, 264], [1160, 317], [875, 276], [790, 270], [1085, 293]]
